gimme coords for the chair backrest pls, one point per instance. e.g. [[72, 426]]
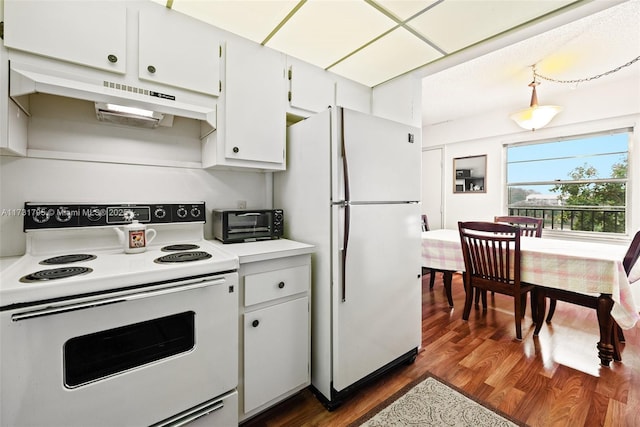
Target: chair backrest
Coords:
[[425, 223], [529, 226], [633, 253], [491, 251]]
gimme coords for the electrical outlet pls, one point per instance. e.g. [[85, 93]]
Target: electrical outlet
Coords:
[[242, 204]]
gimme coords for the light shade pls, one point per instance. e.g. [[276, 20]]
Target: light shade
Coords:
[[536, 116]]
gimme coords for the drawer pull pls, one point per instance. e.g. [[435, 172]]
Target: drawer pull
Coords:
[[281, 285], [255, 323]]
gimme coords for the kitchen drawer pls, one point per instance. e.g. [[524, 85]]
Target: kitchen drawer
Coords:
[[270, 285]]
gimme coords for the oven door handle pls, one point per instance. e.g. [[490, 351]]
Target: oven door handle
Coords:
[[192, 414], [97, 302]]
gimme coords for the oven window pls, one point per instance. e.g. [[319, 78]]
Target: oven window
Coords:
[[101, 354]]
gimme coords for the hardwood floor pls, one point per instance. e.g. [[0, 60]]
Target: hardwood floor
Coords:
[[554, 379]]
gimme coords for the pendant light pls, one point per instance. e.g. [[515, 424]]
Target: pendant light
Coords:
[[536, 116]]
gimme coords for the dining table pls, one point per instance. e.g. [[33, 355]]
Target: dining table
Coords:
[[581, 267]]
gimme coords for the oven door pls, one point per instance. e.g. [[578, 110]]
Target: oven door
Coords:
[[127, 359], [246, 226]]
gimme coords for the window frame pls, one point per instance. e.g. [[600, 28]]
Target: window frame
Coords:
[[630, 131]]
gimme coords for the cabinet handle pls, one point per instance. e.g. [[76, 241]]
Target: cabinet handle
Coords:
[[255, 323], [151, 69], [281, 285], [236, 149], [112, 58]]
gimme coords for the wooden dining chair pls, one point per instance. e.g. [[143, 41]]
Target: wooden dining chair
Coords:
[[631, 257], [528, 226], [432, 271], [491, 253]]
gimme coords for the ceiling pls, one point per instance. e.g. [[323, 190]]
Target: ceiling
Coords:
[[582, 48], [472, 50]]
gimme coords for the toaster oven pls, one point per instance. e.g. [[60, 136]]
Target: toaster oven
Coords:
[[234, 226]]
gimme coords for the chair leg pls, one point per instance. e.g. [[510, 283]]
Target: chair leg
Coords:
[[432, 277], [552, 309], [517, 311], [468, 299], [523, 307], [477, 296], [541, 306]]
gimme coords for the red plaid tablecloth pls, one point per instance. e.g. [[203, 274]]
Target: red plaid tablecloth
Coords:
[[583, 267]]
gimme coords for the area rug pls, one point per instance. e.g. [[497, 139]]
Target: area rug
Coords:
[[432, 403]]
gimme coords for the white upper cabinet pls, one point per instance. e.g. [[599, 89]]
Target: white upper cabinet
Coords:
[[311, 88], [91, 33], [251, 129], [179, 51]]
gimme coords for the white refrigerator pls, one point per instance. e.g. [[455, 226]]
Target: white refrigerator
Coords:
[[352, 188]]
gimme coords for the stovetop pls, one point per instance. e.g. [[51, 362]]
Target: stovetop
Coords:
[[179, 251], [111, 269]]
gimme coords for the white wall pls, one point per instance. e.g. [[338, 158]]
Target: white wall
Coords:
[[47, 180], [589, 109]]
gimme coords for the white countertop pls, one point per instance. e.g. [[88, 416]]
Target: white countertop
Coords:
[[265, 249]]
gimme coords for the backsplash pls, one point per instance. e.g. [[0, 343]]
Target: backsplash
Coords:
[[50, 180]]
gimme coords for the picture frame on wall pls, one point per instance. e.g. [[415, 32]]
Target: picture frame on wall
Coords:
[[470, 174]]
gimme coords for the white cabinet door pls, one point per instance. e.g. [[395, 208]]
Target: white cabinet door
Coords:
[[91, 33], [311, 88], [179, 51], [276, 351], [254, 105]]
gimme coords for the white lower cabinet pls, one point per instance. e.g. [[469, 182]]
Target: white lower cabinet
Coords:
[[275, 331], [275, 347]]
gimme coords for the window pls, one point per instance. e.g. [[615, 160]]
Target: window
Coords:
[[576, 184]]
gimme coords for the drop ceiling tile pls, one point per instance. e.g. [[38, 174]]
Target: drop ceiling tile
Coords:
[[405, 9], [252, 19], [392, 55], [456, 24], [323, 31]]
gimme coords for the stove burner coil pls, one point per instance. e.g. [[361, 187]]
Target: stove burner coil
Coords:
[[182, 257], [179, 247], [55, 273], [67, 259]]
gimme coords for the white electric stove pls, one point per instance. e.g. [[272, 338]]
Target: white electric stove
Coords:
[[88, 327]]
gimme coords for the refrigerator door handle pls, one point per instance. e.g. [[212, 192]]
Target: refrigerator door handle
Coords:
[[343, 152], [345, 245], [347, 208]]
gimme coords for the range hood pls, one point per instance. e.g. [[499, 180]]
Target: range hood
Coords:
[[162, 105]]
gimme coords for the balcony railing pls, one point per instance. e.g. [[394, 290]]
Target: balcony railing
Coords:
[[608, 219]]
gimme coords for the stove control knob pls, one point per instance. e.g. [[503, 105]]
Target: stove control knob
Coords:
[[195, 212], [181, 212], [160, 213], [94, 214], [63, 214], [41, 215]]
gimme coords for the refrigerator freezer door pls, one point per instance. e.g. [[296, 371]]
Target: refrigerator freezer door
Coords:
[[380, 317], [383, 158]]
